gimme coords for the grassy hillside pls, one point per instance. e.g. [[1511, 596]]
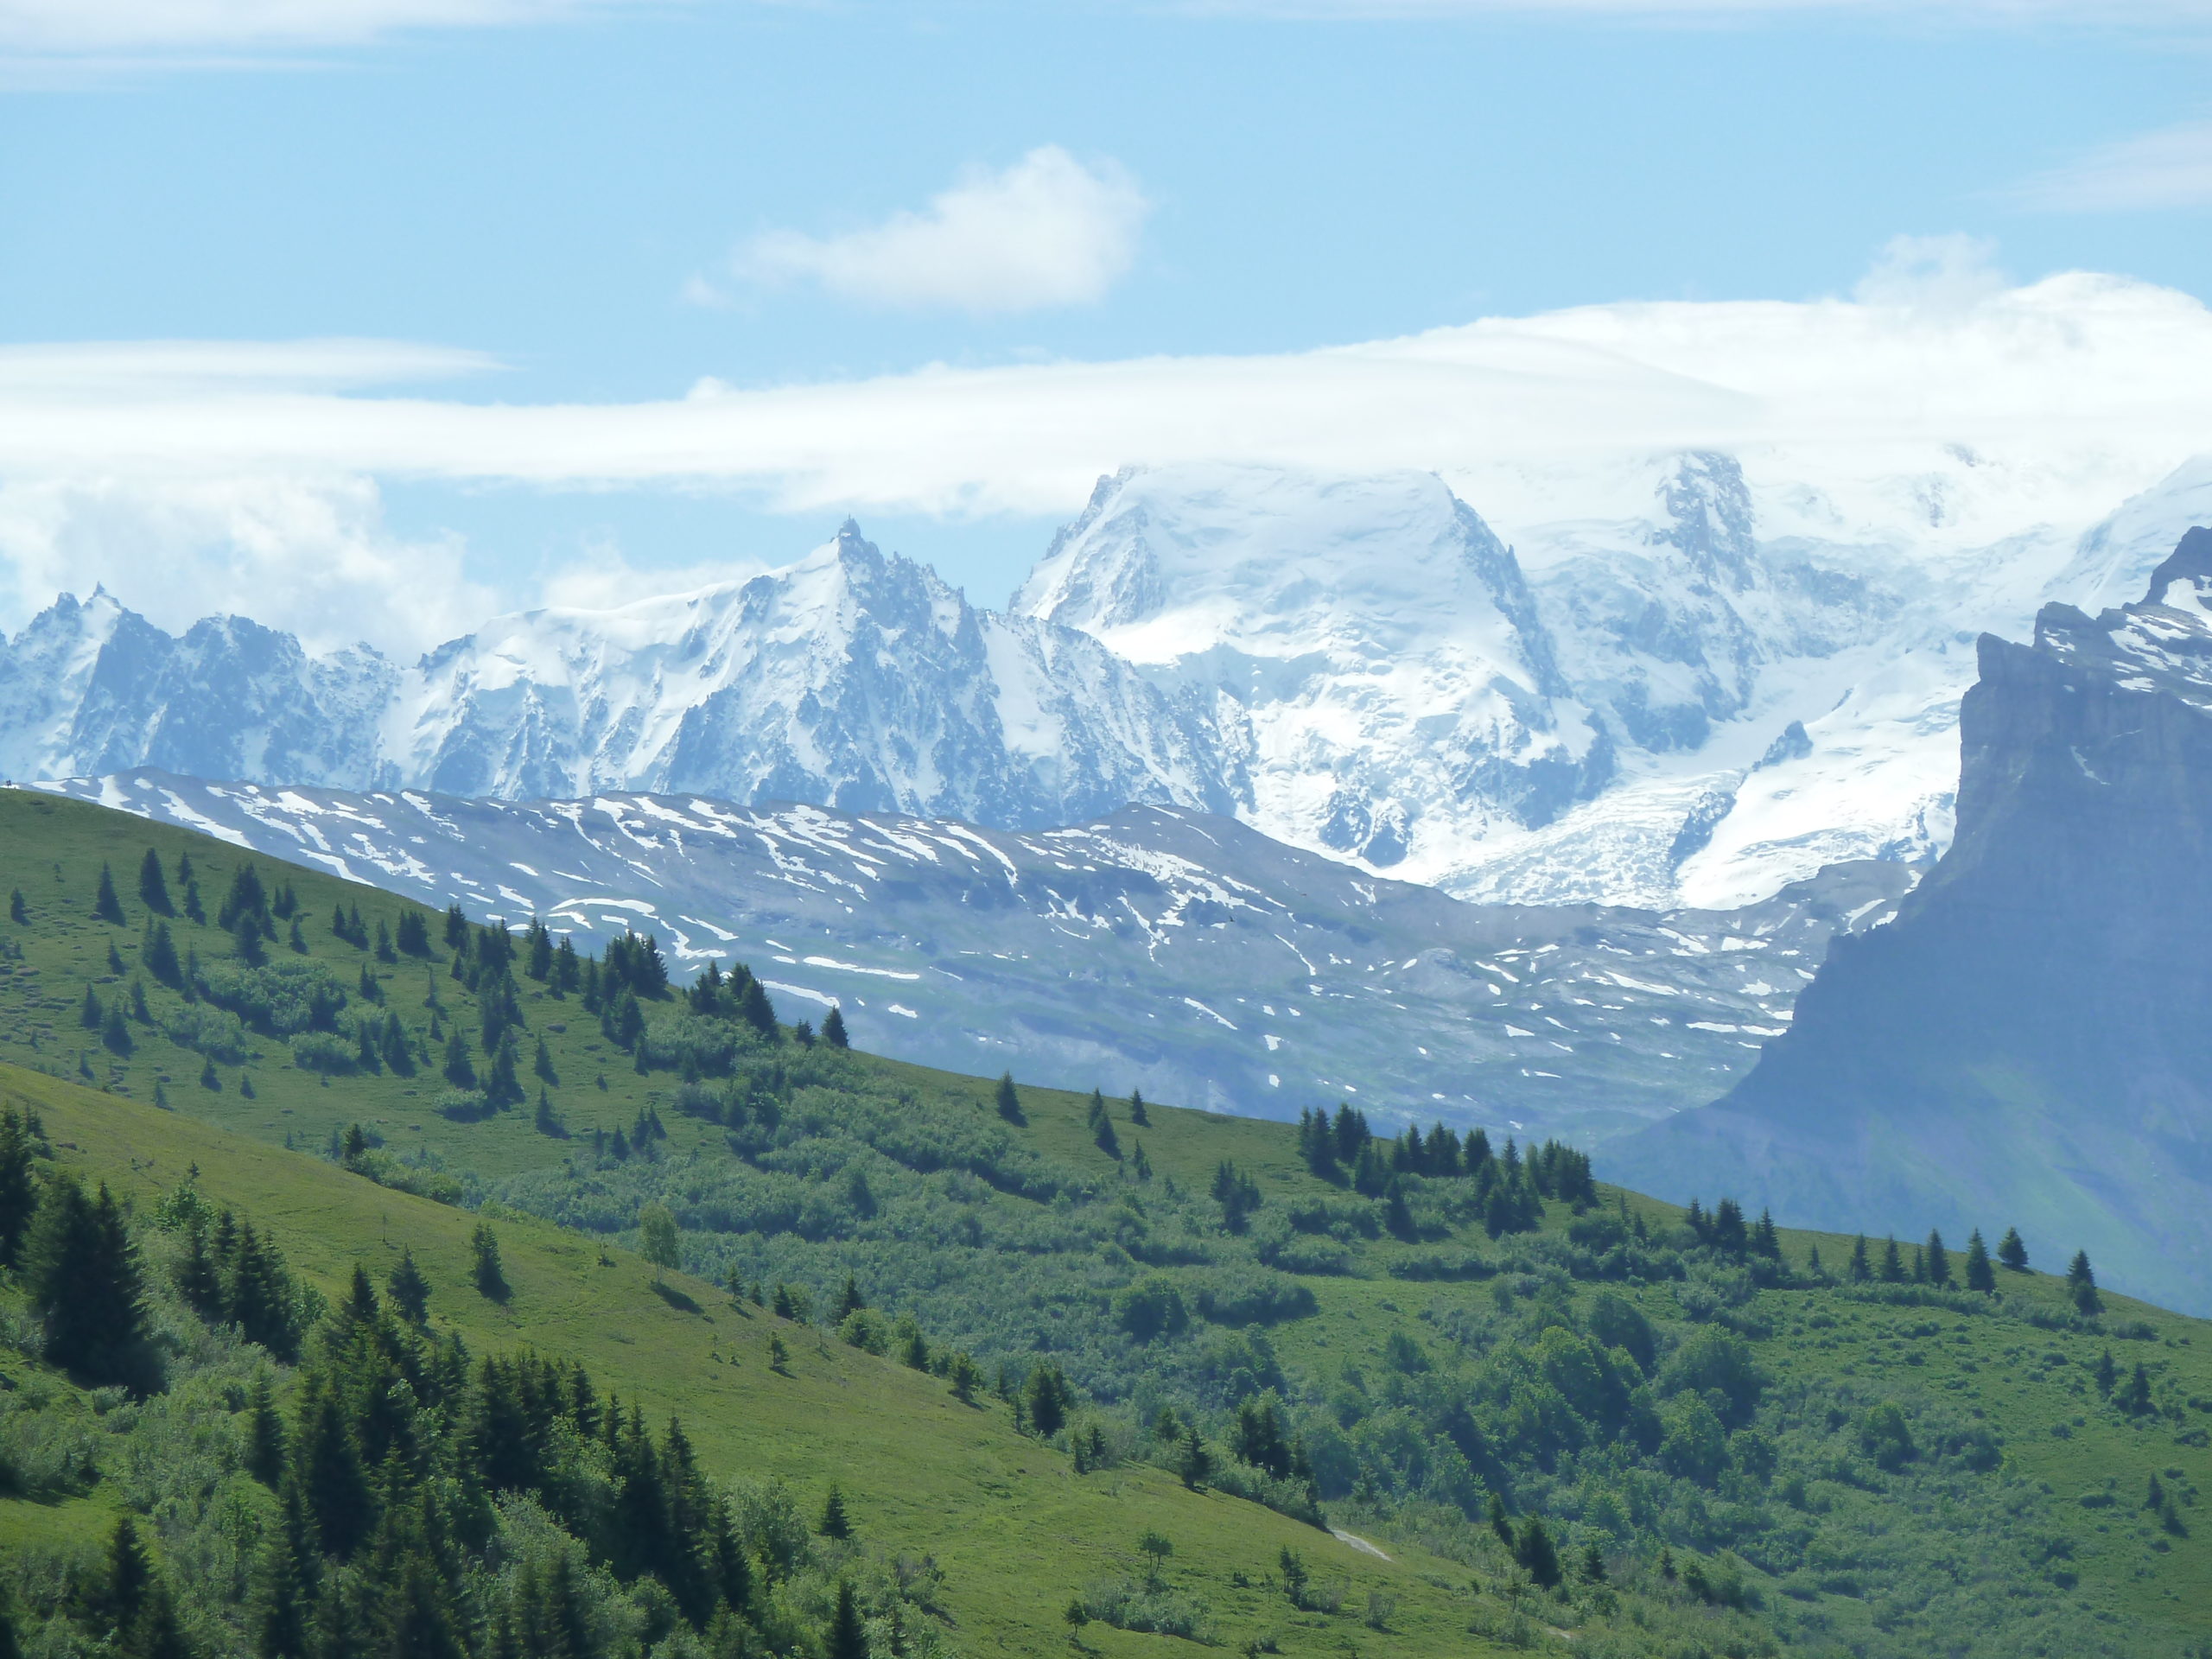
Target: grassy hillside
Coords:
[[1013, 1528], [1759, 1455]]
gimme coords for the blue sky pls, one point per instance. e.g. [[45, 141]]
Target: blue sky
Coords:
[[616, 203]]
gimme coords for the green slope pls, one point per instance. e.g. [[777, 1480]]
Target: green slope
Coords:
[[2016, 1525], [1013, 1528]]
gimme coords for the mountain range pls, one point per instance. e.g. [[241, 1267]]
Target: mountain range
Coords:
[[1694, 705], [1185, 955]]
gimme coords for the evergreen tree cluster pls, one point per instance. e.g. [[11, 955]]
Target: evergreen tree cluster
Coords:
[[1509, 1191]]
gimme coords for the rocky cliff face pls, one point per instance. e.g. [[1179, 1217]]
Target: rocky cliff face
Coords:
[[2027, 1043]]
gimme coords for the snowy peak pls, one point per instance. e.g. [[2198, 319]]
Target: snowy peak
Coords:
[[1367, 641]]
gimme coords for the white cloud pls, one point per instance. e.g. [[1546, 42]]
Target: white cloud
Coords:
[[311, 555], [2078, 389], [1046, 232], [2170, 169], [108, 27], [1932, 274]]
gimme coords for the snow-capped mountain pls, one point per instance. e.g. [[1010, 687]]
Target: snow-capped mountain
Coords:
[[850, 678], [1725, 679], [1372, 643], [1156, 948]]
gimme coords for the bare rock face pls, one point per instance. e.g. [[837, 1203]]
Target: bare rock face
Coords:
[[2028, 1043]]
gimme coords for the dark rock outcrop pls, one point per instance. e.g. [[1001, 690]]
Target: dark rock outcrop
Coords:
[[2029, 1042]]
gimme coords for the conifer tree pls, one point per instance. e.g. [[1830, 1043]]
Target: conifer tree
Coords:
[[1939, 1259], [82, 1273], [2081, 1285], [1193, 1462], [548, 1121], [18, 1195], [2134, 1396], [129, 1581], [1140, 1164], [1892, 1264], [408, 1289], [491, 1280], [264, 1435], [1101, 1123], [2104, 1373], [1859, 1270], [2011, 1252], [90, 1015], [832, 1028], [834, 1522], [1534, 1550], [18, 912], [847, 1637], [1137, 1114], [1979, 1275], [106, 905], [1009, 1103], [849, 1301]]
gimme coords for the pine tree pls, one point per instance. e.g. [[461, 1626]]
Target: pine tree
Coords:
[[849, 1301], [548, 1121], [18, 912], [152, 886], [1859, 1271], [18, 1194], [832, 1028], [128, 1584], [2134, 1397], [2011, 1252], [835, 1522], [1102, 1127], [408, 1289], [1140, 1164], [1193, 1462], [460, 1067], [2081, 1285], [1979, 1275], [1939, 1259], [847, 1637], [2104, 1373], [1009, 1103], [1499, 1522], [264, 1435], [491, 1280], [106, 905], [1534, 1550], [82, 1272], [1892, 1264], [90, 1015], [1137, 1113], [542, 1063]]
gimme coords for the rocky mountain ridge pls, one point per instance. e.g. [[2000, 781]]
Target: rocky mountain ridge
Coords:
[[2026, 1042]]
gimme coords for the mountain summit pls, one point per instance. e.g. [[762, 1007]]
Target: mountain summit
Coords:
[[2027, 1041]]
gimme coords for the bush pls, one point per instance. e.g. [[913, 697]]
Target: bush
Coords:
[[1151, 1308], [212, 1032], [281, 999], [316, 1051], [1251, 1296]]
